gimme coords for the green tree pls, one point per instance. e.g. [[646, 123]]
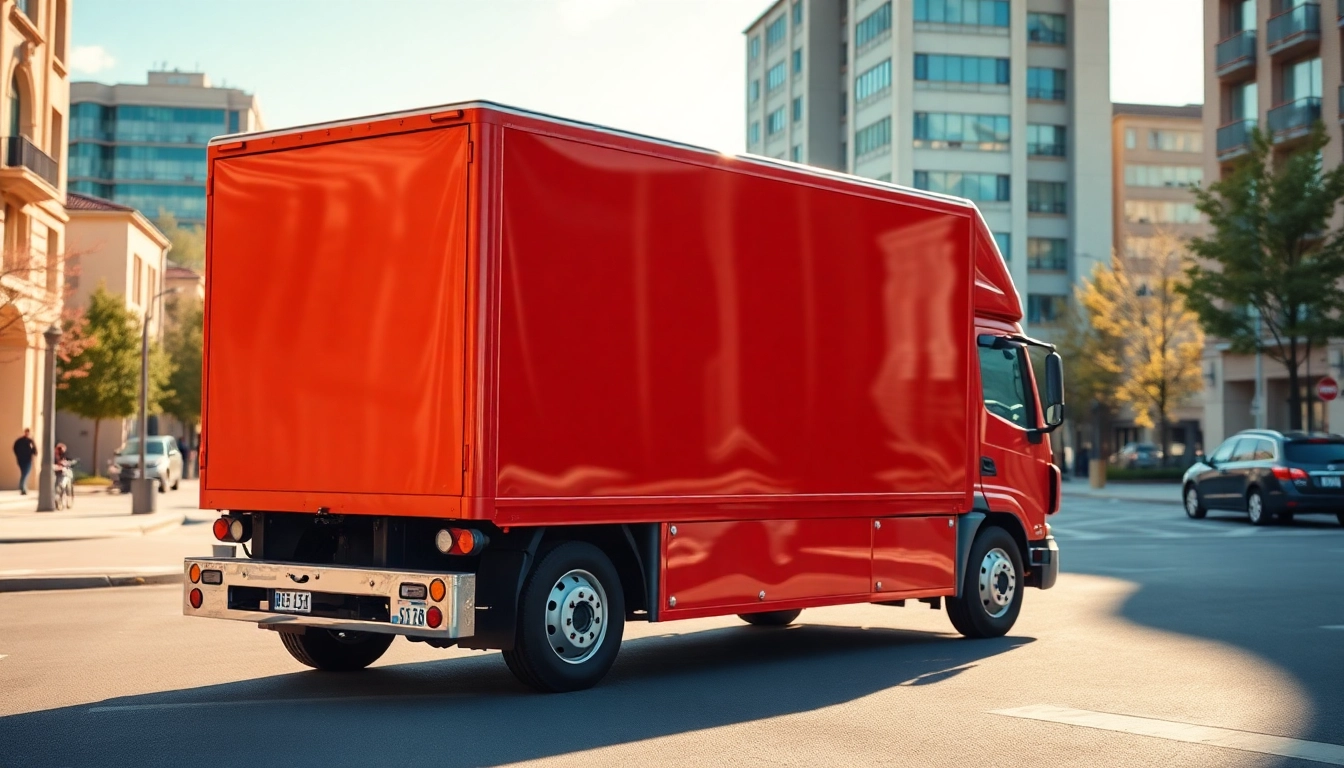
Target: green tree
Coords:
[[109, 386], [1094, 373], [1271, 255], [184, 342], [188, 242]]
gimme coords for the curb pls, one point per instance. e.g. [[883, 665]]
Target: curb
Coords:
[[88, 581], [116, 533]]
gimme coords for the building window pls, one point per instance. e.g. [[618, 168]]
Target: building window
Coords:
[[797, 13], [1005, 242], [872, 82], [984, 187], [873, 26], [774, 77], [774, 34], [1045, 84], [754, 47], [798, 61], [1045, 140], [984, 13], [1162, 175], [797, 109], [1047, 197], [1160, 212], [775, 122], [1176, 141], [137, 278], [1302, 80], [26, 8], [873, 137], [1131, 138], [984, 70], [950, 130], [796, 154], [1045, 308], [754, 132], [754, 91], [1048, 254], [59, 46], [1045, 28]]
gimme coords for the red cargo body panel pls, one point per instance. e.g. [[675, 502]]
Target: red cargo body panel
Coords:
[[334, 338], [678, 327], [914, 555]]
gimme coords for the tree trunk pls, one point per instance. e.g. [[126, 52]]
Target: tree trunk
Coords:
[[97, 424], [1294, 396], [1164, 438]]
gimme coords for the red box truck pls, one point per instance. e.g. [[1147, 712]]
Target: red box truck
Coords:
[[485, 377]]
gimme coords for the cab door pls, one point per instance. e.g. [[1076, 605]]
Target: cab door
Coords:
[[1014, 458]]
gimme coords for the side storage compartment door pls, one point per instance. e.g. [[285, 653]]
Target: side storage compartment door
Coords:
[[914, 554]]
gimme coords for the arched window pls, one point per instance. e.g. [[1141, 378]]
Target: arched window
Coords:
[[15, 106]]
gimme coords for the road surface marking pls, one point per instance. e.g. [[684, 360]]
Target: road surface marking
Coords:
[[1327, 626], [1246, 741]]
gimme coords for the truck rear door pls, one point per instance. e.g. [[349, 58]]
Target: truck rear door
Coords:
[[334, 340]]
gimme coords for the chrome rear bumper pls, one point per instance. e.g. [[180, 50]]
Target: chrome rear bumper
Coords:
[[343, 598]]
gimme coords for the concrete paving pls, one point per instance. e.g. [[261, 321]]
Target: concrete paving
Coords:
[[1167, 641]]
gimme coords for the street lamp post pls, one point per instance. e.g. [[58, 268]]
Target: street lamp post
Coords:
[[46, 477], [142, 487]]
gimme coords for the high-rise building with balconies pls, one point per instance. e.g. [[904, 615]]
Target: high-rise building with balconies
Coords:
[[1006, 103]]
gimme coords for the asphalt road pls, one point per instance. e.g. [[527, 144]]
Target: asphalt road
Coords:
[[1210, 623]]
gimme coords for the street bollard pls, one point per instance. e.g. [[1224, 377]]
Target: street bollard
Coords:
[[1096, 473]]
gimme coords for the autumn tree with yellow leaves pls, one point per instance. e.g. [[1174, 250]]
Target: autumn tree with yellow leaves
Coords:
[[1156, 358]]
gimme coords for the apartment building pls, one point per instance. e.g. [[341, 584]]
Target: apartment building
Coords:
[[1158, 153], [144, 145], [1006, 103], [1274, 64], [34, 44]]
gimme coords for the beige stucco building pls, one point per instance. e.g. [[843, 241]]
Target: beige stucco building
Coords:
[[1275, 65], [115, 247], [34, 43]]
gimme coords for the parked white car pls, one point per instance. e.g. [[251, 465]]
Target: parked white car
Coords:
[[161, 454]]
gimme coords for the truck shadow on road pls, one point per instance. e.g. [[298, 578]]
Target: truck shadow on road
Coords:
[[470, 711]]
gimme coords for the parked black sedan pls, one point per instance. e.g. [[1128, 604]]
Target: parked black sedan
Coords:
[[1269, 474]]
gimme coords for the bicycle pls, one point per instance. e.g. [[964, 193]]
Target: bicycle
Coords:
[[65, 484]]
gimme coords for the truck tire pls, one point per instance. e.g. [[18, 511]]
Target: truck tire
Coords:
[[333, 651], [769, 618], [1194, 506], [571, 616], [991, 586]]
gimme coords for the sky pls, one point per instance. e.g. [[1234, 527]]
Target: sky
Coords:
[[670, 68]]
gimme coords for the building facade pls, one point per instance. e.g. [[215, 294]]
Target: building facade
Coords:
[[1006, 103], [34, 44], [144, 145], [1274, 64], [116, 248]]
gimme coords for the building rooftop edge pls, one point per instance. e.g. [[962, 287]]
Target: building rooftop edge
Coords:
[[761, 18], [1158, 110]]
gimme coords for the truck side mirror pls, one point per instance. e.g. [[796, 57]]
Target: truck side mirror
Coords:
[[1054, 389]]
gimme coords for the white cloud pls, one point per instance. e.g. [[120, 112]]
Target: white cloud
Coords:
[[91, 59]]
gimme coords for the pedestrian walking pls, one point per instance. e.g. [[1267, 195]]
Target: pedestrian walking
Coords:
[[24, 451]]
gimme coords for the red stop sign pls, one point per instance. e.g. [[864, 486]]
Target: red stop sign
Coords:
[[1327, 388]]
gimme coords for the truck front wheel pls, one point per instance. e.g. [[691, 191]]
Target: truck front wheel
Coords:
[[571, 616], [334, 651], [991, 587]]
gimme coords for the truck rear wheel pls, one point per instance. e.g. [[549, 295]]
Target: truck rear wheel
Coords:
[[991, 587], [571, 616], [770, 618], [335, 651]]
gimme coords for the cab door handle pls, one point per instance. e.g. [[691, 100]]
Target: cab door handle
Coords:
[[987, 468]]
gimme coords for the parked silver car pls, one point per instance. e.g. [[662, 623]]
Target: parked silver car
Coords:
[[161, 454]]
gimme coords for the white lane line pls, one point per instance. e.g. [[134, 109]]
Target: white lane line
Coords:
[[1246, 741], [1327, 626], [1249, 530], [256, 702]]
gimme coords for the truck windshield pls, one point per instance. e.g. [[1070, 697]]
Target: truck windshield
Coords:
[[1002, 380]]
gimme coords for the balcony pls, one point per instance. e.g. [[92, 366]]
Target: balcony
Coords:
[[28, 173], [1234, 139], [1294, 119], [1294, 30], [1236, 54]]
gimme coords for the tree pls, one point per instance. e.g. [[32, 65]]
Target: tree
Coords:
[[1093, 359], [110, 385], [188, 242], [184, 343], [1271, 255], [1137, 300]]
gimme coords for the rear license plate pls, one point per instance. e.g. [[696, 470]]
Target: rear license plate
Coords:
[[292, 602], [409, 613], [1329, 482]]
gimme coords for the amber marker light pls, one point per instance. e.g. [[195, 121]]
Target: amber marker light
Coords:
[[194, 573], [437, 589]]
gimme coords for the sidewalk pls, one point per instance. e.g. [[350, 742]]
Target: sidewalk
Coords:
[[100, 543], [1168, 492]]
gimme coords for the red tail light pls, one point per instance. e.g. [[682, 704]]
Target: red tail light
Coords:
[[221, 529], [434, 617], [195, 598], [1290, 473]]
